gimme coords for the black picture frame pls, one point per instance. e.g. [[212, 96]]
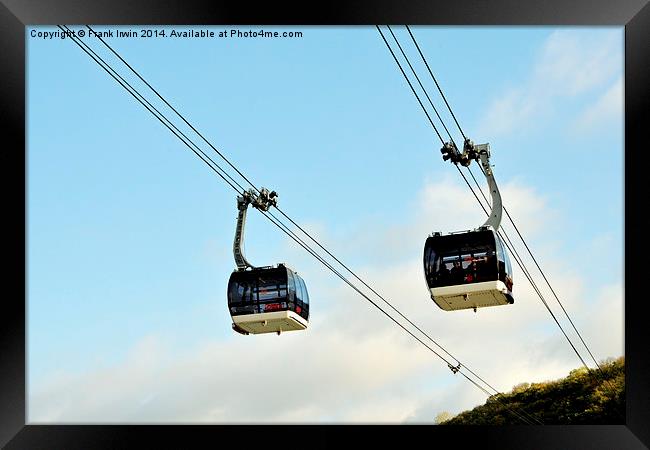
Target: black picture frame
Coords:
[[15, 15]]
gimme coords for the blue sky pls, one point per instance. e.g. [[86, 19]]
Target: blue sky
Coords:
[[130, 234]]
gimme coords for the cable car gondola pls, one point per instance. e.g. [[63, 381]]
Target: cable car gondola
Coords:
[[264, 299], [267, 300], [471, 269]]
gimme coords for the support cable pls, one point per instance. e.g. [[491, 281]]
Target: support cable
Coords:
[[410, 85], [436, 81], [420, 83]]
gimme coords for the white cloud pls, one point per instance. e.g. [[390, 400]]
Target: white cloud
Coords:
[[353, 364], [608, 107], [296, 377], [573, 62], [569, 64], [604, 322]]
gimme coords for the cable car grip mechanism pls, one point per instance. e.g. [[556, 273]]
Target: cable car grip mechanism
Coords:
[[477, 152]]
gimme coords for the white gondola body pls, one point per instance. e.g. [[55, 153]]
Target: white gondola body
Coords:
[[271, 322], [470, 296]]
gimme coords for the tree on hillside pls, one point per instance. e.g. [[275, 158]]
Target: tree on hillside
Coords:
[[585, 396]]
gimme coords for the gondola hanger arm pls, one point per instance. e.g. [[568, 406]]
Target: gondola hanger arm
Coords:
[[262, 201]]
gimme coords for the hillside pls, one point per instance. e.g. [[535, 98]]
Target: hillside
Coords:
[[583, 397]]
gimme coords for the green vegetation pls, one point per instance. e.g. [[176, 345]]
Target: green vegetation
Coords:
[[584, 397]]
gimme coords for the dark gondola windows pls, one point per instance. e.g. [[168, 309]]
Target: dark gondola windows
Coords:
[[429, 260], [291, 284], [270, 289], [302, 298], [457, 262], [240, 293], [505, 269]]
